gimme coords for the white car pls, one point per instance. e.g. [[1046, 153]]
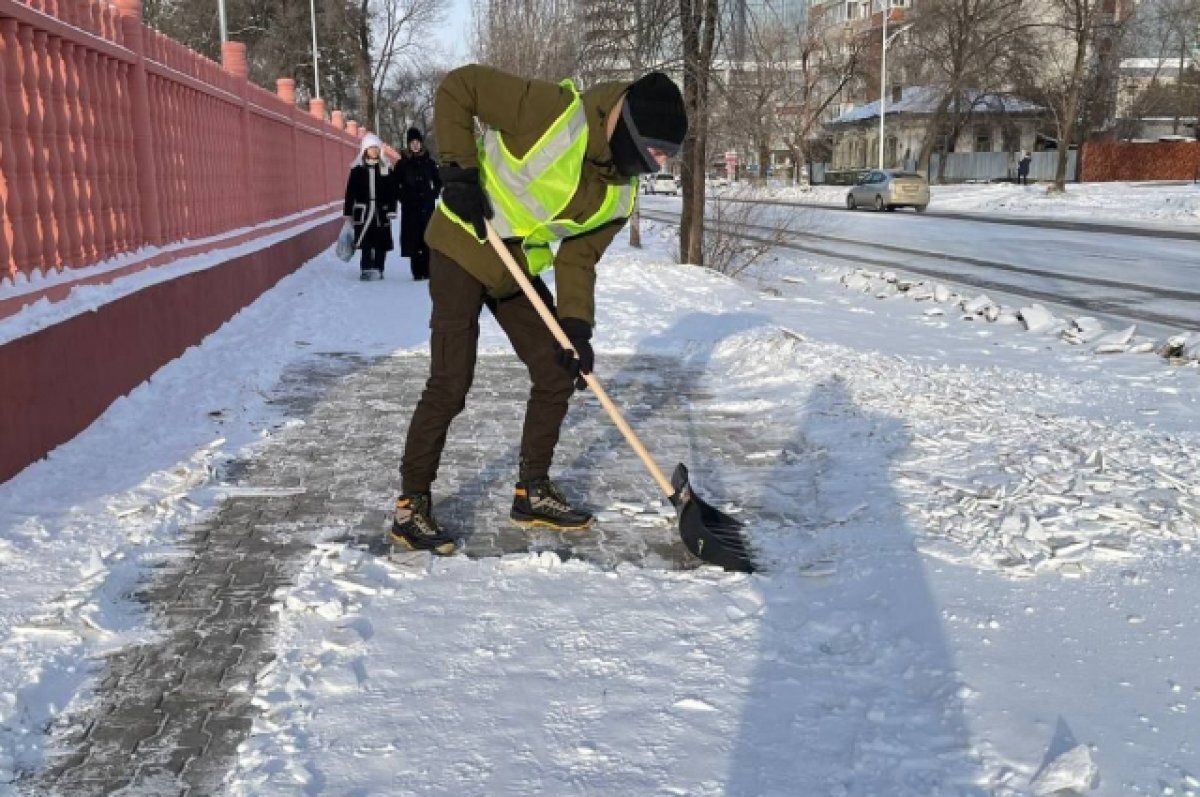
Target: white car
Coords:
[[660, 183]]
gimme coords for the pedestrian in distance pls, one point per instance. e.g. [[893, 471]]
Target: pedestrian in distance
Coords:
[[371, 206], [419, 185], [555, 166], [1023, 169]]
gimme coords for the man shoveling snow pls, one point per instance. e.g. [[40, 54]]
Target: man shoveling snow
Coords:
[[555, 167]]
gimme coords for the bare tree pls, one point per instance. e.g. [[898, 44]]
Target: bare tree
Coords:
[[408, 100], [1077, 20], [753, 86], [278, 36], [825, 65], [536, 39], [740, 233], [387, 35], [792, 73], [966, 50], [1074, 32], [698, 21], [1098, 107], [623, 40]]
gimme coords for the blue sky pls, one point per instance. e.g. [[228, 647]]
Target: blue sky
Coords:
[[455, 31]]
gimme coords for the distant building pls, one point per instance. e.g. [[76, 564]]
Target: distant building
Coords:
[[856, 26], [997, 124], [1149, 102]]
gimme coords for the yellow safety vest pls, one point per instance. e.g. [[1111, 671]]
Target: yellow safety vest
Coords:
[[529, 193]]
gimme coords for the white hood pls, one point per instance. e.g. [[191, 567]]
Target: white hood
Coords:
[[370, 140]]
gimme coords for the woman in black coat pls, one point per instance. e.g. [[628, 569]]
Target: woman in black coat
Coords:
[[417, 177], [371, 206]]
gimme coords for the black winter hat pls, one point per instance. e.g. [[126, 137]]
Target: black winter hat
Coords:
[[656, 109], [414, 135]]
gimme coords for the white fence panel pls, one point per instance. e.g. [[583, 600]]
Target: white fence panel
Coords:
[[962, 166]]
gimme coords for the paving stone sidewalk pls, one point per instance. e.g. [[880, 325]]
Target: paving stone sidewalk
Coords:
[[169, 715]]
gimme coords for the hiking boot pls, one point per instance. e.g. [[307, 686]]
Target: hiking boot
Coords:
[[414, 528], [540, 503]]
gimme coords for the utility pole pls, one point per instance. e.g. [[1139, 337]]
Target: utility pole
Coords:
[[224, 21], [883, 43], [312, 6], [885, 40]]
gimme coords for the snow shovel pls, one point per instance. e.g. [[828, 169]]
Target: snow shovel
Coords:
[[711, 535]]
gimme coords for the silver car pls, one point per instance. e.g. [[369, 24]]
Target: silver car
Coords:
[[888, 189]]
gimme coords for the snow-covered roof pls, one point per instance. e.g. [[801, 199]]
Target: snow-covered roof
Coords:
[[923, 99]]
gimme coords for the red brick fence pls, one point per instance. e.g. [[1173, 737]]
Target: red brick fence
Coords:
[[114, 138], [1161, 160]]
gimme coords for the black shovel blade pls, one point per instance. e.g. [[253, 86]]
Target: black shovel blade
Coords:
[[710, 534]]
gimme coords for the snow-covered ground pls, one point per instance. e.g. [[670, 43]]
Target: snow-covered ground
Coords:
[[1174, 205], [992, 590], [1167, 204]]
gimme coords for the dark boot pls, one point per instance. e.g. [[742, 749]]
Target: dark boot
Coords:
[[539, 502], [414, 528], [419, 263]]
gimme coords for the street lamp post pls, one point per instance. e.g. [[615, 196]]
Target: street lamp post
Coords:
[[887, 12], [312, 6], [886, 40], [224, 21]]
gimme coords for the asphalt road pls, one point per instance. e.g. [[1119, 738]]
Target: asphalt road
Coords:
[[1143, 276], [1018, 221]]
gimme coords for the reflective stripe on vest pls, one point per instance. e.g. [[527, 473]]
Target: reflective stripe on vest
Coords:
[[529, 193]]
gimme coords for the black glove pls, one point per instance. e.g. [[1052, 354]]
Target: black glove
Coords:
[[462, 194], [579, 359]]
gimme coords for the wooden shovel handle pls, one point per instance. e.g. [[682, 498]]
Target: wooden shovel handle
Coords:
[[552, 323]]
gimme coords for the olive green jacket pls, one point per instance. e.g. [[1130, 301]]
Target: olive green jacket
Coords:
[[522, 110]]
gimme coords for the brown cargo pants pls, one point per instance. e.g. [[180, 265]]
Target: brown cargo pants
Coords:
[[458, 298]]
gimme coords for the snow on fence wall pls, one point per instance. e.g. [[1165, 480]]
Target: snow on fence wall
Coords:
[[114, 137]]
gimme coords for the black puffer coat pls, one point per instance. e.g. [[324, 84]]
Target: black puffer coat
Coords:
[[419, 184], [372, 220]]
